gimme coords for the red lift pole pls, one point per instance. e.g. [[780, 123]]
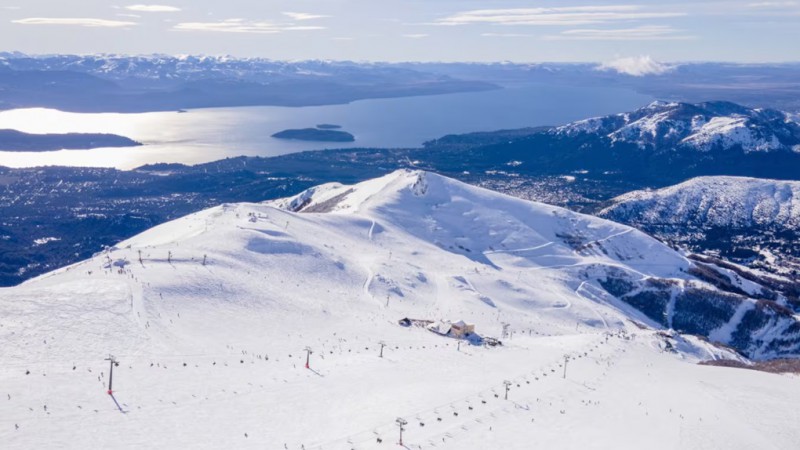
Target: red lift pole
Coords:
[[308, 357], [113, 362]]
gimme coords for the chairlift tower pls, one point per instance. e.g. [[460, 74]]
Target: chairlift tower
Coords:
[[401, 423], [506, 328]]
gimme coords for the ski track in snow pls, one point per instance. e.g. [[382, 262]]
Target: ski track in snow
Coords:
[[615, 235], [594, 298], [368, 266], [367, 283], [519, 250]]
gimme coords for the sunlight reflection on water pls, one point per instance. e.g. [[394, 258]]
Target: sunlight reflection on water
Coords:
[[204, 135]]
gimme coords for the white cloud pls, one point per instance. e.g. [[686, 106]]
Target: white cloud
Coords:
[[82, 22], [416, 36], [636, 66], [643, 33], [242, 26], [770, 5], [302, 28], [303, 16], [569, 15], [152, 8], [506, 35]]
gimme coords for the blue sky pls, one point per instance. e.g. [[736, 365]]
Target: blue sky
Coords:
[[410, 30]]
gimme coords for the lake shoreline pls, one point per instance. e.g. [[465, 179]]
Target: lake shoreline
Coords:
[[17, 141], [210, 134]]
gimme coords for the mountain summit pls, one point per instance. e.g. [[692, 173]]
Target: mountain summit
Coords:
[[663, 126]]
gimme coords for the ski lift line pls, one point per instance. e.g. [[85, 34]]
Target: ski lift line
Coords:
[[464, 399], [426, 412], [255, 389], [418, 416], [141, 357], [218, 398], [432, 410], [548, 394], [448, 430], [88, 411]]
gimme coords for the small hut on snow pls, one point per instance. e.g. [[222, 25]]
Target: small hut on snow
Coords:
[[461, 329], [458, 329], [440, 327]]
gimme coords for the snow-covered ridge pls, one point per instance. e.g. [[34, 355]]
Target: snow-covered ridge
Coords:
[[190, 67], [701, 127], [714, 202]]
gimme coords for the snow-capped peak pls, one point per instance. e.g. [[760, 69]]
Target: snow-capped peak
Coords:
[[701, 127], [338, 198], [719, 201]]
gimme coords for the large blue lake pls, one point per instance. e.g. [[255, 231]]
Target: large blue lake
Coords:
[[204, 135]]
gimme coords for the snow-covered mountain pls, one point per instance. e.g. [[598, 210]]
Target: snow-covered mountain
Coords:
[[659, 145], [739, 217], [121, 83], [197, 67], [701, 127], [209, 316], [734, 202]]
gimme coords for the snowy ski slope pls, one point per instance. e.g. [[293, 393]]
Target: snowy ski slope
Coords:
[[210, 328]]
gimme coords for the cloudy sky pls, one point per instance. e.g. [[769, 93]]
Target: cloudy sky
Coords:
[[404, 30]]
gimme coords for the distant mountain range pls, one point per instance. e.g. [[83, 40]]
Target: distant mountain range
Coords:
[[160, 83], [125, 83], [156, 70], [658, 145]]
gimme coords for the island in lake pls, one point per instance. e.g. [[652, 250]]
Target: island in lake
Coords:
[[17, 141], [323, 133]]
